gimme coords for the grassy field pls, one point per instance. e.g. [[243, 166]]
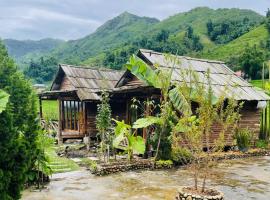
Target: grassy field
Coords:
[[50, 109], [257, 83]]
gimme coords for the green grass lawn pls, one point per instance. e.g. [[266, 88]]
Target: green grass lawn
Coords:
[[60, 164], [50, 109], [257, 83]]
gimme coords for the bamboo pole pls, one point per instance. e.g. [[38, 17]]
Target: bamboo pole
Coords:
[[263, 76]]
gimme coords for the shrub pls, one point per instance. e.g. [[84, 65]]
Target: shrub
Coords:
[[164, 164], [181, 155], [243, 139], [91, 164], [262, 144]]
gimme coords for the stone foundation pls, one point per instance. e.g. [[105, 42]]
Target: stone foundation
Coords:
[[183, 195]]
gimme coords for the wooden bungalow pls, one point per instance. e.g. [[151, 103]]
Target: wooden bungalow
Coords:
[[78, 89]]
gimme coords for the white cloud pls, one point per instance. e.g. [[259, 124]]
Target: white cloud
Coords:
[[70, 19]]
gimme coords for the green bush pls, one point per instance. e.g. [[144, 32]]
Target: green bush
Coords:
[[164, 164], [181, 155], [91, 164], [243, 139], [262, 144]]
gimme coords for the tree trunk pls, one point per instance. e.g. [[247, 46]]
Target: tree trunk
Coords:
[[158, 145]]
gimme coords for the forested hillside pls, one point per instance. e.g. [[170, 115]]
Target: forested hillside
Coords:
[[201, 32], [25, 51], [17, 48]]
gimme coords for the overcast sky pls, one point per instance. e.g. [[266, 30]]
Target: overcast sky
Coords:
[[72, 19]]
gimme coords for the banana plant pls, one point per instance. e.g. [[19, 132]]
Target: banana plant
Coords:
[[160, 79], [171, 94], [126, 140], [4, 97]]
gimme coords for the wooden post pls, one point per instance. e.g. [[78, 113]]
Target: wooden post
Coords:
[[127, 112], [85, 117], [263, 76], [60, 139], [40, 108]]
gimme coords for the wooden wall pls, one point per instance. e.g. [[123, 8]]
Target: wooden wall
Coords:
[[250, 119], [91, 112], [118, 112]]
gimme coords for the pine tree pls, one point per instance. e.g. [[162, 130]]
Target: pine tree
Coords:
[[18, 129]]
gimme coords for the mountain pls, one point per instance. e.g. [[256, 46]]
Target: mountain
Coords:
[[23, 52], [200, 32], [197, 18], [127, 28], [18, 49], [173, 30], [114, 33]]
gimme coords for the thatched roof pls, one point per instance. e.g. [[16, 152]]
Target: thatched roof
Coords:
[[86, 81], [221, 76]]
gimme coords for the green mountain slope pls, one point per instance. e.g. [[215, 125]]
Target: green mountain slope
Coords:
[[128, 28], [198, 17], [236, 47], [112, 34]]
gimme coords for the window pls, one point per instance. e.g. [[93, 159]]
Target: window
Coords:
[[72, 115]]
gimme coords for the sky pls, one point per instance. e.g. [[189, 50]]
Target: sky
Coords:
[[73, 19]]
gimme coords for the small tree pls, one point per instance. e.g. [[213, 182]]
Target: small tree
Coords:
[[194, 131], [103, 123], [251, 61]]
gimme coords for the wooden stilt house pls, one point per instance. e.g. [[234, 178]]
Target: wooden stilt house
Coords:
[[78, 90], [222, 79]]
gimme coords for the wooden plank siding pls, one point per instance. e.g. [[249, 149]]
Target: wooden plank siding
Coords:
[[91, 112]]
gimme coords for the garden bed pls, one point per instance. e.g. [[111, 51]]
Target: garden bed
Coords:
[[101, 169], [89, 159]]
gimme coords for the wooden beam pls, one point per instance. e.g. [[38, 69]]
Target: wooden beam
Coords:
[[85, 118], [60, 139], [70, 109], [127, 112], [40, 108]]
